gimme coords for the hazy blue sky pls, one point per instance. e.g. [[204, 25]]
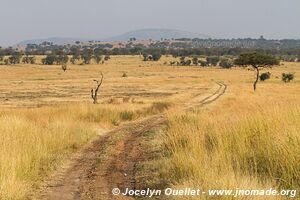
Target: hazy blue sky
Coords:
[[30, 19]]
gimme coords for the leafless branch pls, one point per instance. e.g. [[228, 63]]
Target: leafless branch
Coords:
[[94, 92]]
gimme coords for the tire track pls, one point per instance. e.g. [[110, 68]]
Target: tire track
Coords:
[[109, 161]]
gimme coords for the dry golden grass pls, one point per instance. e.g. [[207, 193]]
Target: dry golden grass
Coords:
[[46, 114], [246, 140], [253, 150], [34, 141], [39, 85]]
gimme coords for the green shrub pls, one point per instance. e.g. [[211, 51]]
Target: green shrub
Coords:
[[156, 56], [287, 77], [225, 63], [212, 60], [265, 76], [203, 63]]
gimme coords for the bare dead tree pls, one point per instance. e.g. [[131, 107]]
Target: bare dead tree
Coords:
[[64, 67], [94, 92]]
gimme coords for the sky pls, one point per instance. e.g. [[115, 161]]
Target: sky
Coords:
[[32, 19]]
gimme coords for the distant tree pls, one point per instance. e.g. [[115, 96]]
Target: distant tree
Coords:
[[202, 63], [15, 58], [98, 55], [212, 60], [188, 62], [257, 61], [32, 59], [49, 60], [75, 52], [265, 76], [156, 56], [28, 59], [182, 60], [25, 59], [98, 58], [107, 57], [74, 58], [6, 61], [225, 63], [87, 56], [287, 77], [172, 63], [145, 57], [62, 59], [195, 61]]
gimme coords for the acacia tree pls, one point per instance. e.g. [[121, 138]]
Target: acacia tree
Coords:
[[75, 52], [146, 57], [32, 59], [62, 59], [1, 54], [107, 57], [212, 60], [195, 61], [28, 59], [87, 55], [98, 57], [225, 63], [49, 60], [257, 61], [156, 56], [15, 58], [74, 58]]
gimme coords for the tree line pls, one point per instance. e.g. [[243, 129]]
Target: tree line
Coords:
[[138, 49], [84, 57]]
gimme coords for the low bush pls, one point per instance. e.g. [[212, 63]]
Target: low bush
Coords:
[[265, 76], [287, 77]]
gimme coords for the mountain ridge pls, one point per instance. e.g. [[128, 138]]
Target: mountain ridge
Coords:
[[140, 34], [156, 34]]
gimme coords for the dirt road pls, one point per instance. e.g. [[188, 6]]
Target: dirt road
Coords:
[[109, 162]]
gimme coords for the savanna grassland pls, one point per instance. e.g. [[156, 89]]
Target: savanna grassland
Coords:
[[244, 139]]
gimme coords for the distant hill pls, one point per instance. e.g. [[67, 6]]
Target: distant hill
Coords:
[[54, 40], [156, 34], [143, 34]]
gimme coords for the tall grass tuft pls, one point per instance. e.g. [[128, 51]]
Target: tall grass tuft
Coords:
[[256, 149], [30, 147], [35, 141], [157, 107]]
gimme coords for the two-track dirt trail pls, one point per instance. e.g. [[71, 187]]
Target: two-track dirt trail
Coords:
[[109, 162]]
